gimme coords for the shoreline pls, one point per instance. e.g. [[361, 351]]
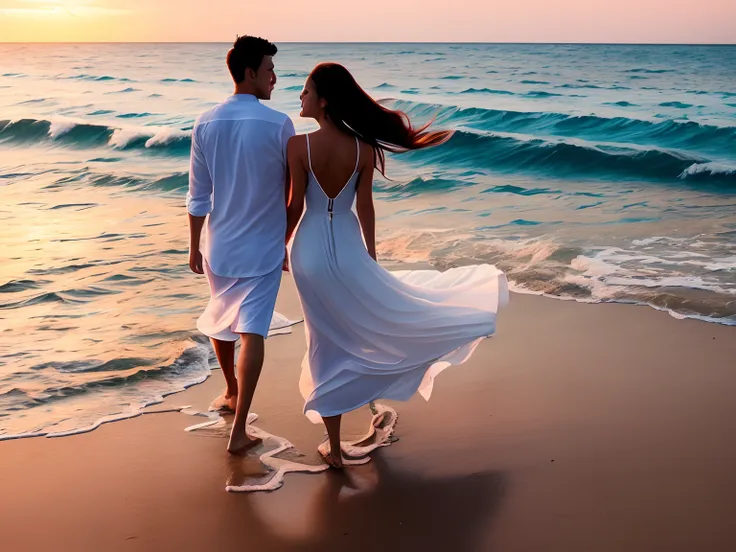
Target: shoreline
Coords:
[[516, 289], [150, 408], [576, 427]]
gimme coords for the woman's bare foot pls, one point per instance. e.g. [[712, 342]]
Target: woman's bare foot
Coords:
[[224, 403], [241, 442], [333, 460]]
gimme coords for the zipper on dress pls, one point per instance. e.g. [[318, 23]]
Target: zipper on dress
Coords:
[[330, 206]]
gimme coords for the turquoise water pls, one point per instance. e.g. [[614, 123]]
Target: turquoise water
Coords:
[[596, 173]]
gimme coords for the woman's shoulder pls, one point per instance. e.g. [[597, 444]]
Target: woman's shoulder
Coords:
[[365, 147], [298, 139], [366, 152], [297, 143], [296, 149]]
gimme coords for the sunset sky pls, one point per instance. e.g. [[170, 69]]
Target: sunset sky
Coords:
[[639, 21]]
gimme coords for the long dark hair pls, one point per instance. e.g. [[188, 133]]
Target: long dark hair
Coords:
[[353, 111]]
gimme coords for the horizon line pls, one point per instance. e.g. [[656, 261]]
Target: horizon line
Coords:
[[382, 42]]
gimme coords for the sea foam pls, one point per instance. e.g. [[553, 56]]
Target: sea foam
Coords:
[[380, 434]]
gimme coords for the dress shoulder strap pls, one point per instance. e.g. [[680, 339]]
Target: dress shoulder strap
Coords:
[[357, 157], [309, 155]]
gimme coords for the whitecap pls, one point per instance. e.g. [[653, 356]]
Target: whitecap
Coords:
[[121, 137], [59, 127], [165, 136], [711, 168]]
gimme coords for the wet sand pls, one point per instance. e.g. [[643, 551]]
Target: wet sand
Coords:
[[576, 428]]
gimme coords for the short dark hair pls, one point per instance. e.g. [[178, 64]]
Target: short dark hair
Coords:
[[248, 52]]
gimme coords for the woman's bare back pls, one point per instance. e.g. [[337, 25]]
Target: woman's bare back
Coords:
[[334, 158]]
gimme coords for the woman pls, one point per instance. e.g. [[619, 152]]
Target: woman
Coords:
[[370, 333]]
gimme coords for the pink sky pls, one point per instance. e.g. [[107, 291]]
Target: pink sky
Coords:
[[682, 21]]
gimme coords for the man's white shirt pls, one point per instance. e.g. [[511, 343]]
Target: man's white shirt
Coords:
[[237, 176]]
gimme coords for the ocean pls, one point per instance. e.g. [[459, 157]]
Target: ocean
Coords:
[[594, 173]]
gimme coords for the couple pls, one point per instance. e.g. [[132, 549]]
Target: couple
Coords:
[[370, 333]]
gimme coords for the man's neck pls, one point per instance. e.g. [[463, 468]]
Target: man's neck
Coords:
[[245, 88]]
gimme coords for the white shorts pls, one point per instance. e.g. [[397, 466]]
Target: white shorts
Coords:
[[239, 305]]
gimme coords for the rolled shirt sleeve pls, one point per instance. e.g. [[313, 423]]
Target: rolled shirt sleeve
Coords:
[[199, 196]]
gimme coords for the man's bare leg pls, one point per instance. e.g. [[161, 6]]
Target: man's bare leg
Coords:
[[250, 363], [225, 352]]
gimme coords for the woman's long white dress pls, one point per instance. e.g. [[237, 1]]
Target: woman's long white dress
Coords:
[[372, 333]]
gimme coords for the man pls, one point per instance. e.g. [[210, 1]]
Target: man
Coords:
[[237, 184]]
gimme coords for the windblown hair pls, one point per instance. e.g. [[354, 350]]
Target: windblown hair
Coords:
[[248, 53], [353, 111]]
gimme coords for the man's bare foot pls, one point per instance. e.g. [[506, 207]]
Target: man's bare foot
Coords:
[[224, 403], [242, 442], [333, 460]]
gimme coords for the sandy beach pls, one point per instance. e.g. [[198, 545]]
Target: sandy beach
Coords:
[[576, 428]]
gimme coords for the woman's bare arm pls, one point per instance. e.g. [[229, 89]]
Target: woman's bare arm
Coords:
[[364, 203], [295, 208]]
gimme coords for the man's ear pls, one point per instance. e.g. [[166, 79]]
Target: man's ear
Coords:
[[250, 73]]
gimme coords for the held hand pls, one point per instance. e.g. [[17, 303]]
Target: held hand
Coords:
[[195, 262], [285, 266]]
